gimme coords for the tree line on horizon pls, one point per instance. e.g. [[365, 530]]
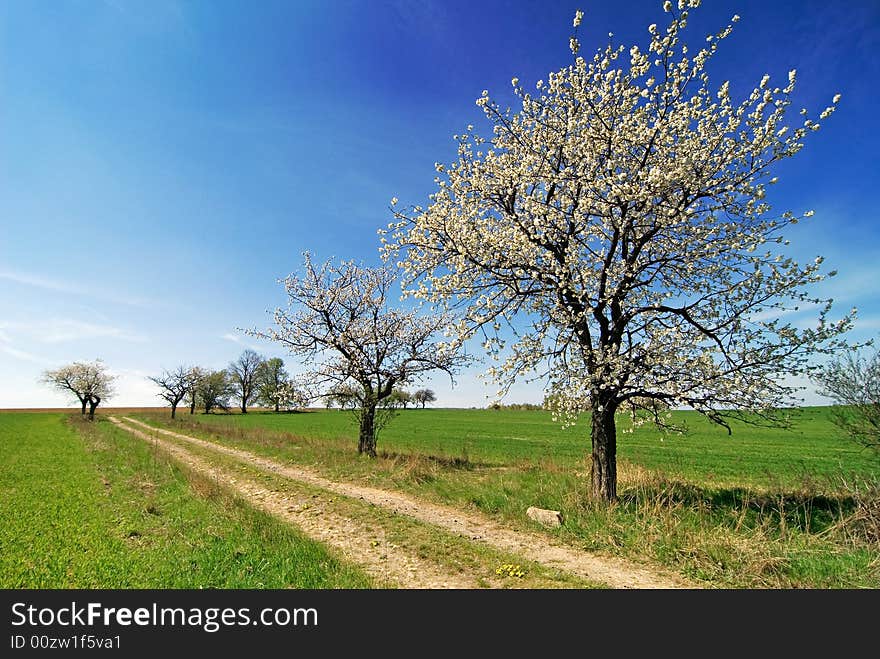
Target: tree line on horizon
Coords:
[[251, 380]]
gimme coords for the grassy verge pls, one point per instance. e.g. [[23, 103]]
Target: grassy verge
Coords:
[[87, 506], [778, 509]]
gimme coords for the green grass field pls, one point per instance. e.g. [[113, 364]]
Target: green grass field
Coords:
[[86, 506], [750, 457], [760, 508]]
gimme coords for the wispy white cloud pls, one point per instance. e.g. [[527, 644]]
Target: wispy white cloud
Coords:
[[48, 284], [23, 355], [774, 314], [867, 323], [7, 348], [234, 338], [62, 330], [856, 283]]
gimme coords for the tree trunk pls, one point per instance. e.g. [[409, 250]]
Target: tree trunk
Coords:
[[243, 408], [93, 403], [173, 409], [604, 439], [277, 405], [367, 440], [83, 401], [192, 406]]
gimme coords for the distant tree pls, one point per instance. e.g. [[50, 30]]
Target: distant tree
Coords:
[[345, 396], [67, 379], [272, 383], [338, 320], [853, 382], [90, 382], [173, 386], [353, 398], [423, 396], [214, 390], [194, 378], [292, 395], [399, 398], [243, 377], [514, 406]]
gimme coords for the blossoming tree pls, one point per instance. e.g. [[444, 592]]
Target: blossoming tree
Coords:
[[90, 382], [337, 319], [621, 212]]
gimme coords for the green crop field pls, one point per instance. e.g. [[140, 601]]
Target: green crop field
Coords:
[[87, 506], [750, 457], [759, 508]]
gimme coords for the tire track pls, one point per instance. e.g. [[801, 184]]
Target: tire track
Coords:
[[391, 565]]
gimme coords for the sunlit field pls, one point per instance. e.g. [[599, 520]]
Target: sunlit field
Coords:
[[87, 506], [757, 508]]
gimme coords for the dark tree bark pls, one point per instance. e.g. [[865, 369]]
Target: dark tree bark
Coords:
[[367, 439], [84, 402], [604, 439], [192, 406], [93, 403], [174, 386]]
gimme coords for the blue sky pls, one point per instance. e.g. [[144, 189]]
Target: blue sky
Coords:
[[163, 163]]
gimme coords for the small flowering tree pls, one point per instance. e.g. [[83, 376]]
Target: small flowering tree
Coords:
[[622, 210], [291, 395], [274, 388], [90, 382], [337, 319]]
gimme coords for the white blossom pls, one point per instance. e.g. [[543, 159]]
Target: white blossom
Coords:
[[338, 320], [90, 382], [619, 223]]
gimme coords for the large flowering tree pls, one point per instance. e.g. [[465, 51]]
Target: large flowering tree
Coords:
[[621, 214], [337, 318]]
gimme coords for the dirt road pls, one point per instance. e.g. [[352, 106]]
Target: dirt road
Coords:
[[399, 567]]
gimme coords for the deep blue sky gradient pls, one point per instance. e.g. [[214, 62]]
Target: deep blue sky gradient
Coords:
[[163, 163]]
